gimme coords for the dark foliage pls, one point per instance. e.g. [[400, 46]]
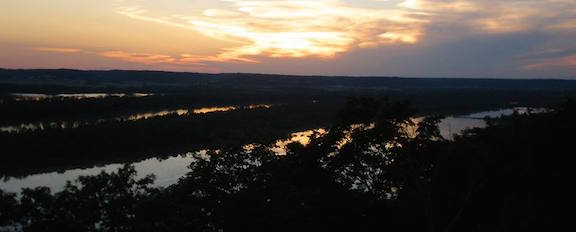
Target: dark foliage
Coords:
[[368, 172]]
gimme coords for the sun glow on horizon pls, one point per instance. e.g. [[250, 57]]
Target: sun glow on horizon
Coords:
[[293, 29], [224, 35]]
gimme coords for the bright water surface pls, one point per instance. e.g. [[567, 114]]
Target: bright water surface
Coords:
[[134, 117], [78, 96]]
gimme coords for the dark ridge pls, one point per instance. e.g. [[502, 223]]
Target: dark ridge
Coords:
[[166, 81]]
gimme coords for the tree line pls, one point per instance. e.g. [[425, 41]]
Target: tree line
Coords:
[[368, 172]]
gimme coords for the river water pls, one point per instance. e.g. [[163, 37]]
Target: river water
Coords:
[[34, 126], [169, 170]]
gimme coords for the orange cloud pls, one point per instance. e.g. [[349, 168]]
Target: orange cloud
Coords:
[[182, 59], [440, 6], [294, 29], [561, 62], [57, 50], [328, 28], [142, 58]]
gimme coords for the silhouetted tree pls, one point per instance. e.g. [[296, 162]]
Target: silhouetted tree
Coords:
[[368, 171]]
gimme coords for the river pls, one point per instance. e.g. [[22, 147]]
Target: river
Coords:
[[168, 171]]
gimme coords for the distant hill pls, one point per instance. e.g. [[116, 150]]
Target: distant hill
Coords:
[[179, 81]]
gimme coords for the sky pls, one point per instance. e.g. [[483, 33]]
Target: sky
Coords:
[[411, 38]]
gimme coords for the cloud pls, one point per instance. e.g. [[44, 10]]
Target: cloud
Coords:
[[440, 6], [57, 50], [142, 58], [564, 62], [135, 57], [327, 28], [399, 37], [149, 61], [552, 59], [294, 29], [496, 16], [150, 58]]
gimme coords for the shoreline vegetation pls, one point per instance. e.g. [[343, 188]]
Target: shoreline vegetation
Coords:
[[57, 148], [365, 172]]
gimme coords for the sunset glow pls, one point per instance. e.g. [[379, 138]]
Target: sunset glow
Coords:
[[343, 37]]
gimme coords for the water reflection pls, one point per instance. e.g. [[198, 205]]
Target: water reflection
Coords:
[[450, 126], [207, 110], [77, 96], [144, 116], [214, 109], [134, 117], [455, 125], [168, 171], [259, 106], [302, 137], [505, 112], [75, 124], [39, 126]]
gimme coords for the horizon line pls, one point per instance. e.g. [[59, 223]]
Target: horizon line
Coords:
[[292, 75]]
